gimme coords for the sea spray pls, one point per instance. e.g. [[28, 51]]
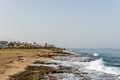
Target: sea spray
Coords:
[[98, 65], [95, 54]]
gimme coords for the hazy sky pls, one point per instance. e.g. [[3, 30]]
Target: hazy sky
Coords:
[[66, 23]]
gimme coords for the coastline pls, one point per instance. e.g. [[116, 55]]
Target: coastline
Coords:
[[14, 61], [49, 64]]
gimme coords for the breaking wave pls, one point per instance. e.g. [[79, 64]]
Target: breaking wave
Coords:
[[98, 65]]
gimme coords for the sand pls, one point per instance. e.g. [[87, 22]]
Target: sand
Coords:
[[13, 61]]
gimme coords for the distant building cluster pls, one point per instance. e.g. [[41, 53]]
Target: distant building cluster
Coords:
[[24, 45]]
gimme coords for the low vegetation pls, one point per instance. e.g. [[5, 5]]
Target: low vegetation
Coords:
[[24, 45]]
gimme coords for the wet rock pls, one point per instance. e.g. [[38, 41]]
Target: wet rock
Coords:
[[33, 73], [39, 62]]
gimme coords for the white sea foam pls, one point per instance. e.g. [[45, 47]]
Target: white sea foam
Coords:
[[118, 78], [63, 63], [95, 54], [66, 76], [98, 65]]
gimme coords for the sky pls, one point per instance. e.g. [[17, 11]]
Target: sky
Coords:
[[66, 23]]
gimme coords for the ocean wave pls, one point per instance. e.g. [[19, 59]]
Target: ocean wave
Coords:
[[95, 54], [111, 59], [98, 65], [111, 62]]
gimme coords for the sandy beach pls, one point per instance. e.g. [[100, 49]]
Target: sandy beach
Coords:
[[13, 61]]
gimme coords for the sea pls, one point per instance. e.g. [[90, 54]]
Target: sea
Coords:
[[107, 60]]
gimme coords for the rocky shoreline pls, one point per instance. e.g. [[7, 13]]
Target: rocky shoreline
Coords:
[[70, 67]]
